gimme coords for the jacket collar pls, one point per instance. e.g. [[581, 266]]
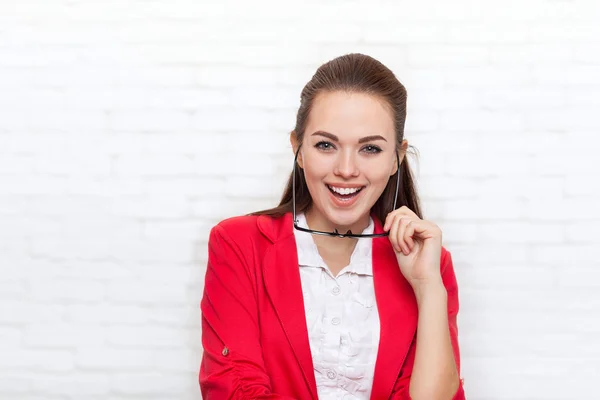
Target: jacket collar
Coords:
[[395, 302]]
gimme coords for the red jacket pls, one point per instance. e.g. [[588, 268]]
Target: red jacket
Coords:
[[254, 329]]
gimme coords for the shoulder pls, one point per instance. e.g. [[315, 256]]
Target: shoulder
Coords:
[[241, 240], [244, 228], [237, 229], [241, 222]]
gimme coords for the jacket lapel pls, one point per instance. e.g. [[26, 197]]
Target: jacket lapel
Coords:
[[282, 281], [397, 315]]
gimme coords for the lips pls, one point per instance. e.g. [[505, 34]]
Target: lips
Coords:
[[345, 191], [344, 196]]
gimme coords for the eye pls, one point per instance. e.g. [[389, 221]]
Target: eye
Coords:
[[372, 149], [324, 145]]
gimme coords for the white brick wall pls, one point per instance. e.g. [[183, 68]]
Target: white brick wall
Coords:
[[128, 128]]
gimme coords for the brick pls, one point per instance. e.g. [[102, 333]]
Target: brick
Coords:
[[424, 55], [105, 313], [10, 337], [150, 384], [153, 250], [66, 289], [146, 293], [38, 359], [62, 335], [157, 121], [104, 357], [154, 336], [79, 384], [15, 384], [16, 311], [158, 206]]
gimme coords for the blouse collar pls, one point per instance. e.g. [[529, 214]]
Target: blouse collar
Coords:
[[308, 253]]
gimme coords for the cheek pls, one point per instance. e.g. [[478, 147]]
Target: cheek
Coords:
[[378, 184], [316, 168], [380, 178], [381, 172], [314, 178]]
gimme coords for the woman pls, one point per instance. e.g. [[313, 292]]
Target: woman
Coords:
[[335, 293]]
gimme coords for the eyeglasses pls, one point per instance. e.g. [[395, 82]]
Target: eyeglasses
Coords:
[[335, 232]]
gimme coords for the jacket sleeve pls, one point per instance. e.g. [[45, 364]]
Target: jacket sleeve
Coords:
[[401, 388], [232, 364]]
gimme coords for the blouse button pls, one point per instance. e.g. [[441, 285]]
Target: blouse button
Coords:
[[335, 321], [336, 290], [331, 374], [225, 351]]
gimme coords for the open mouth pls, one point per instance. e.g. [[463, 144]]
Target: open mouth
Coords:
[[345, 194]]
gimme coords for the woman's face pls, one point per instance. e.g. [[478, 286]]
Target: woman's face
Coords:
[[348, 155]]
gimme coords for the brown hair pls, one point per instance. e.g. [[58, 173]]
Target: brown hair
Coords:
[[357, 73]]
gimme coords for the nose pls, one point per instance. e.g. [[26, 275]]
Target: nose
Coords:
[[346, 165]]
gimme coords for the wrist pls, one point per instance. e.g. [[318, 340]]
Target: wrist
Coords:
[[433, 288]]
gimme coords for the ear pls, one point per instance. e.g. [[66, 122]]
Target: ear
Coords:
[[295, 144], [401, 153]]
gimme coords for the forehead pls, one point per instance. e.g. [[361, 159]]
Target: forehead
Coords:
[[351, 115]]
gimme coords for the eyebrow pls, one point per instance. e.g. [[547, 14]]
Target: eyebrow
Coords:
[[361, 140]]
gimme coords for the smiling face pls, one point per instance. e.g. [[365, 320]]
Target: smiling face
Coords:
[[348, 155]]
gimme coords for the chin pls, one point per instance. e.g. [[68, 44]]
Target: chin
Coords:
[[345, 218]]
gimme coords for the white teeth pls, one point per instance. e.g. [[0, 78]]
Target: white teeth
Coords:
[[344, 190]]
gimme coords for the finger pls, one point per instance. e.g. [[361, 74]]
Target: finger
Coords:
[[388, 221], [394, 233], [426, 230], [404, 222], [390, 218], [408, 234], [408, 211]]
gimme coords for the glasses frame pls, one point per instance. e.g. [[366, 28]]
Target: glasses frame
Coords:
[[335, 232]]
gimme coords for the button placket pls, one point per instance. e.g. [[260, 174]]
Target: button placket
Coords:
[[336, 320], [331, 332]]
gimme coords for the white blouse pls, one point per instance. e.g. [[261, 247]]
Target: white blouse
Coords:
[[342, 318]]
